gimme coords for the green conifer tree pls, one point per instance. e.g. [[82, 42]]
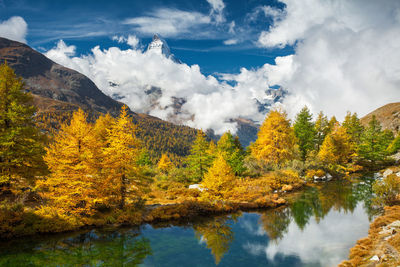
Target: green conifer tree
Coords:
[[232, 151], [200, 158], [353, 127], [374, 142], [304, 130]]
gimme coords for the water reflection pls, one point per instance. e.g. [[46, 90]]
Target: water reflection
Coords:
[[94, 248], [317, 228], [217, 234]]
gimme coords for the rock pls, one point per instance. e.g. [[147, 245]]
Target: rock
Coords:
[[329, 176], [322, 178], [395, 224], [375, 258], [197, 186], [386, 231], [387, 172], [377, 175], [398, 174]]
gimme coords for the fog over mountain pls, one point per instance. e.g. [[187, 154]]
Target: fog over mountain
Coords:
[[153, 81]]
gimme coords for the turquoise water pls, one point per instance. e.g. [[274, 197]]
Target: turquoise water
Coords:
[[316, 229]]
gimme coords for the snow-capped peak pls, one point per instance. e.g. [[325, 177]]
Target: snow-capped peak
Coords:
[[160, 46]]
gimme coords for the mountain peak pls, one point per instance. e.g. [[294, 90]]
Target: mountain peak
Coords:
[[159, 46]]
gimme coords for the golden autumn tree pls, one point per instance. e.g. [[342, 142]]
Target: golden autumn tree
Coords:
[[337, 147], [165, 164], [72, 184], [21, 143], [276, 141], [100, 131], [218, 179], [121, 170]]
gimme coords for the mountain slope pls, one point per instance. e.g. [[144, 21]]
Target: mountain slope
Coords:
[[47, 79], [388, 116], [58, 91]]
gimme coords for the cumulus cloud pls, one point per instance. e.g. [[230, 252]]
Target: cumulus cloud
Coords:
[[168, 22], [319, 242], [130, 75], [15, 28], [346, 54]]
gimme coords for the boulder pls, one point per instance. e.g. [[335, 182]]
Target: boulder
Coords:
[[387, 172]]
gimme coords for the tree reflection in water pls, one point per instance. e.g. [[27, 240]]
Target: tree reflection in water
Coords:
[[317, 201], [94, 248], [217, 234]]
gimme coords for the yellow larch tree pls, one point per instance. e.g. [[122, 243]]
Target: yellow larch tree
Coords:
[[165, 164], [121, 170], [276, 141], [337, 147], [219, 178], [71, 186]]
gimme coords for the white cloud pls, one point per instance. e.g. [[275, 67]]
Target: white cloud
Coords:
[[168, 22], [231, 42], [217, 8], [15, 28], [324, 243], [213, 103], [346, 54], [131, 40]]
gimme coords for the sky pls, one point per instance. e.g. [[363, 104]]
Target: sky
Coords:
[[334, 56]]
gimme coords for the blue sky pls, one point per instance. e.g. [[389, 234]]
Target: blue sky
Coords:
[[333, 56], [90, 23]]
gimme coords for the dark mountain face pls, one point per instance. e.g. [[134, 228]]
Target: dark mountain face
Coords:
[[48, 80]]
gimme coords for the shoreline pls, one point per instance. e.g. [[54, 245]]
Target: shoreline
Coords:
[[381, 246], [164, 213]]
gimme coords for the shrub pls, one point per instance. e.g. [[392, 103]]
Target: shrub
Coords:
[[387, 190]]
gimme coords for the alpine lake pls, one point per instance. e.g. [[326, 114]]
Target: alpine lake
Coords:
[[317, 228]]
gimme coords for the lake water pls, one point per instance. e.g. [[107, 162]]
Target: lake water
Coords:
[[317, 229]]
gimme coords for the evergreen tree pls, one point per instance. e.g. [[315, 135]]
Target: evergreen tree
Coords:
[[304, 130], [144, 158], [394, 146], [73, 185], [374, 142], [337, 147], [121, 168], [201, 156], [321, 129], [232, 152], [276, 141], [353, 127], [21, 144]]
